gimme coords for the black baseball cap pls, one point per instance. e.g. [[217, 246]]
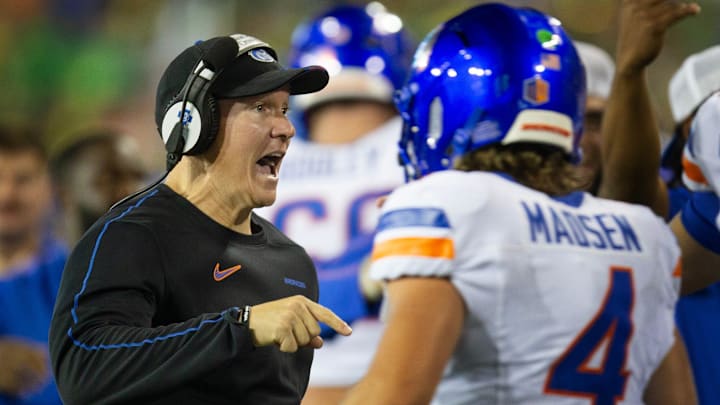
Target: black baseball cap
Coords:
[[250, 68]]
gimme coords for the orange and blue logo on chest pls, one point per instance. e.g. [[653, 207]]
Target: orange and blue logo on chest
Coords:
[[220, 275]]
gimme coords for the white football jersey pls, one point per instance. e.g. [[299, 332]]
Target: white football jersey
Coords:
[[326, 202], [701, 155], [327, 192], [570, 300]]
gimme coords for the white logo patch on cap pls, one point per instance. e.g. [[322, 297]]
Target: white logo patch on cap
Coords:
[[261, 55], [246, 43]]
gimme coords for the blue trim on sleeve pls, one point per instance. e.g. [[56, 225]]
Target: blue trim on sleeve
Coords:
[[698, 218], [429, 217], [84, 286], [95, 249], [144, 341]]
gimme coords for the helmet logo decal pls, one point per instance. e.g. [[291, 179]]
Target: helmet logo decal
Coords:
[[261, 55], [550, 61], [547, 39], [536, 91]]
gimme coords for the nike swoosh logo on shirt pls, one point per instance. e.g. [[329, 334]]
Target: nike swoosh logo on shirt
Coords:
[[220, 275]]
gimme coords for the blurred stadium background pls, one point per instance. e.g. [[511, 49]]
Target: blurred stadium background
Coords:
[[70, 65]]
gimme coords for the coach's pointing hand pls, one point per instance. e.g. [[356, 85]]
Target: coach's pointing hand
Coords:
[[292, 323]]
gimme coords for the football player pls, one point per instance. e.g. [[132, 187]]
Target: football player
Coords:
[[505, 285]]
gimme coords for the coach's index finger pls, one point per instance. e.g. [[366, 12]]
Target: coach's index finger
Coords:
[[329, 318]]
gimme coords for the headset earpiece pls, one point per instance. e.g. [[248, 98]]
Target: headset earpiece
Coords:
[[211, 126], [199, 119], [191, 120]]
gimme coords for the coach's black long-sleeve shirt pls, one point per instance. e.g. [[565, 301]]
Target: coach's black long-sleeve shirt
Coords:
[[145, 313]]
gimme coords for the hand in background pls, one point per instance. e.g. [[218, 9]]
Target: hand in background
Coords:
[[23, 367], [643, 24]]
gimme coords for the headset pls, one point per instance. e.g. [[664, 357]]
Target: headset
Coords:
[[191, 120], [182, 133]]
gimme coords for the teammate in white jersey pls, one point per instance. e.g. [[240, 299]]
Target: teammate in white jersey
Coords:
[[698, 224], [333, 177], [504, 285]]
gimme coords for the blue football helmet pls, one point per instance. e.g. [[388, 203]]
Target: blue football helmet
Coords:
[[491, 75], [366, 50]]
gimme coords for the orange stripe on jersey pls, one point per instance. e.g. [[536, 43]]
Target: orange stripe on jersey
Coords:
[[436, 248], [692, 171], [677, 272]]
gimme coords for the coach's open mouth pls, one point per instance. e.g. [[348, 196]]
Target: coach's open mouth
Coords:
[[270, 163]]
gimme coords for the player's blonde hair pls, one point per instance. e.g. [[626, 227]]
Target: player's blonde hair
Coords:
[[542, 168]]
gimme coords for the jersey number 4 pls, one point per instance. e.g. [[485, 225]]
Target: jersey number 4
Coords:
[[572, 374]]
